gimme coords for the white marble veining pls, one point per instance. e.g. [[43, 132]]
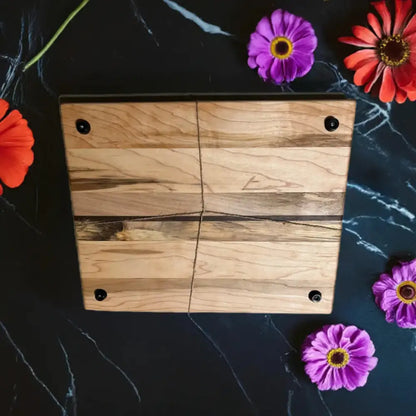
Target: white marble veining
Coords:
[[106, 358], [71, 393], [141, 20], [290, 394], [32, 371], [367, 245], [390, 204], [224, 357], [328, 410], [205, 26]]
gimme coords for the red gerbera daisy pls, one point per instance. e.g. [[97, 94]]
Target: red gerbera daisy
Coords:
[[16, 141], [389, 52]]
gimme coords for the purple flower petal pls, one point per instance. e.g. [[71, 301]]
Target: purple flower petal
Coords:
[[304, 30], [325, 382], [304, 63], [290, 69], [289, 20], [361, 346], [293, 26], [406, 315], [258, 44], [391, 315], [335, 333], [336, 379], [316, 370], [277, 22], [385, 282], [264, 59], [306, 45], [264, 28], [252, 62], [276, 71], [389, 299], [353, 378], [264, 73], [400, 273]]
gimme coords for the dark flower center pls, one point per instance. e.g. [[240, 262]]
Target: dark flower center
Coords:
[[337, 358], [394, 50], [407, 292], [281, 48]]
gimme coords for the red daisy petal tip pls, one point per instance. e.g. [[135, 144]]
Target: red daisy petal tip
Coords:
[[16, 142]]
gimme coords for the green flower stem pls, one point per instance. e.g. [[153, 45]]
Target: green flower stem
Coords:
[[56, 35]]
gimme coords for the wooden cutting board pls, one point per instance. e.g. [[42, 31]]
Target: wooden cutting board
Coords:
[[208, 206]]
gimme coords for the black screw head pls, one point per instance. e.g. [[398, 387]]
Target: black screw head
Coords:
[[331, 123], [315, 296], [100, 294], [83, 126]]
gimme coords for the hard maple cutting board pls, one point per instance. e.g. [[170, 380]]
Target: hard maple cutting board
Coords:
[[208, 206]]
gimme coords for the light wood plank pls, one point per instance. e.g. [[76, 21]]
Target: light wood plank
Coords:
[[263, 277], [214, 230], [266, 230], [137, 230], [136, 260], [274, 123], [248, 170], [138, 295], [132, 204], [131, 125], [134, 170], [276, 204]]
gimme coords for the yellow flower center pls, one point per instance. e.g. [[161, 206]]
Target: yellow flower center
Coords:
[[338, 358], [406, 291], [394, 50], [281, 47]]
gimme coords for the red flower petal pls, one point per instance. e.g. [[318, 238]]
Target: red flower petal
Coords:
[[16, 141], [401, 96], [359, 58], [374, 24], [403, 8], [375, 76], [411, 95], [405, 76], [364, 73], [364, 34], [388, 87], [4, 106], [351, 40], [410, 27], [383, 11]]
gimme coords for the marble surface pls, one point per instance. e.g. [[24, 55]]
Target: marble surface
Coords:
[[56, 358]]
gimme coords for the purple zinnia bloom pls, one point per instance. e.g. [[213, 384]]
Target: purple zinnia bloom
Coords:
[[338, 356], [396, 294], [282, 47]]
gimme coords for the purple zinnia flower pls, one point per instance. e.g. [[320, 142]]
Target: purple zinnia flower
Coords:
[[282, 47], [396, 294], [338, 356]]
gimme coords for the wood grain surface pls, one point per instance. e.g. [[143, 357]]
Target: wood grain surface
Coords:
[[212, 206], [137, 275], [259, 273], [131, 125], [268, 124]]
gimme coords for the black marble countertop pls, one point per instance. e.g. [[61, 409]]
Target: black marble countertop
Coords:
[[56, 358]]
